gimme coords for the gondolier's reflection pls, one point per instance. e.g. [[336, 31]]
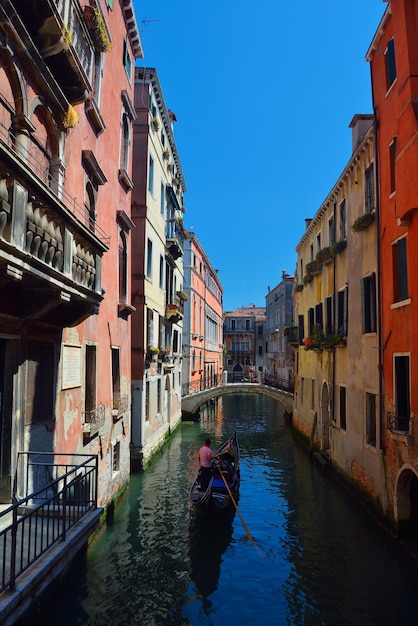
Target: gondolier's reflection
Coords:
[[205, 460]]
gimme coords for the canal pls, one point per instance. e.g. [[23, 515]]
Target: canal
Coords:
[[317, 557]]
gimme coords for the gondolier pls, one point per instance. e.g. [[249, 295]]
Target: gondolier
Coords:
[[222, 478], [205, 460]]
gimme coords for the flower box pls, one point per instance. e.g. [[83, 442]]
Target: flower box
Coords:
[[362, 222]]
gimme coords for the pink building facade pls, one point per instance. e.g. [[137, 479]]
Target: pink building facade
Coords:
[[66, 115]]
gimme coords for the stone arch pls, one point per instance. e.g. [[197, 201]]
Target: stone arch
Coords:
[[325, 421], [17, 84], [406, 502]]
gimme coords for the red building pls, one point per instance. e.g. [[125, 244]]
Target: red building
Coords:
[[393, 56]]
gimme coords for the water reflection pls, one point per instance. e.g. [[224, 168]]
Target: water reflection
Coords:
[[319, 559], [209, 539]]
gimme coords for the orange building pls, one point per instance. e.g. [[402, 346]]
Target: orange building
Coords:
[[393, 55], [202, 325], [66, 114]]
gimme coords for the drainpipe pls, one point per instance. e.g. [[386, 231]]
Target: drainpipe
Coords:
[[334, 350]]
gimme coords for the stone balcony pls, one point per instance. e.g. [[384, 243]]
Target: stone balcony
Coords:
[[50, 251]]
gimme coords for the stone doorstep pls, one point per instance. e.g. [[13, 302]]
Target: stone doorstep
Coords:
[[32, 584]]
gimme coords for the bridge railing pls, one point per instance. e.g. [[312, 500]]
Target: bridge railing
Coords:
[[279, 383], [201, 385]]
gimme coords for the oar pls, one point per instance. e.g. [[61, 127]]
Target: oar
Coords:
[[247, 532]]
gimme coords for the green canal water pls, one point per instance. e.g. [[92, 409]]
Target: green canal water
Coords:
[[317, 557]]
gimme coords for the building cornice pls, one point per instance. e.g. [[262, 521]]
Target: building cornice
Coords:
[[379, 32], [150, 74], [347, 172]]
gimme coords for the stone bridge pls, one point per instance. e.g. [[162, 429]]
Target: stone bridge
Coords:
[[191, 404]]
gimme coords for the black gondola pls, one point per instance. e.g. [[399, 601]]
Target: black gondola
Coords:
[[224, 482]]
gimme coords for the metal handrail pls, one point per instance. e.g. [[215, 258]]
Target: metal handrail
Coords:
[[43, 515]]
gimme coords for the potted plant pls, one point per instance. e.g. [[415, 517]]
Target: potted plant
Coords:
[[169, 166], [338, 246], [299, 287], [362, 222], [314, 267], [182, 296], [324, 255], [155, 123], [166, 155], [308, 278], [96, 25]]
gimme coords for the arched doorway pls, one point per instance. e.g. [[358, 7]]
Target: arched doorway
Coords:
[[406, 501], [237, 372], [324, 417]]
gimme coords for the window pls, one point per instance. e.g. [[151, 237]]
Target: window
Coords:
[[319, 323], [402, 392], [232, 324], [312, 394], [127, 61], [343, 408], [150, 327], [392, 168], [329, 314], [123, 269], [368, 304], [149, 259], [247, 324], [390, 63], [260, 330], [318, 242], [331, 235], [116, 457], [311, 322], [40, 382], [90, 379], [115, 377], [301, 329], [159, 395], [125, 143], [147, 401], [371, 419], [369, 199], [151, 175], [162, 199], [400, 270], [161, 275], [342, 311], [260, 349], [343, 221]]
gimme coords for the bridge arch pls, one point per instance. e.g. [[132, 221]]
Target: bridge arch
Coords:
[[191, 404]]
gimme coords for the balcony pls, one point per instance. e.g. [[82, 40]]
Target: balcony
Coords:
[[59, 31], [93, 421], [120, 405], [398, 424], [50, 249], [175, 238], [175, 310]]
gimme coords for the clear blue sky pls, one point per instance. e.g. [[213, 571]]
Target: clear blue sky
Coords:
[[263, 93]]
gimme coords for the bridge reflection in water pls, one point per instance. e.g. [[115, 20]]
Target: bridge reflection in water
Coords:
[[319, 559]]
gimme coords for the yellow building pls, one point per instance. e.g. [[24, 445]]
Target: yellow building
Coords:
[[337, 390]]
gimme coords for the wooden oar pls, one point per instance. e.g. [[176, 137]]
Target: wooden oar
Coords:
[[247, 532]]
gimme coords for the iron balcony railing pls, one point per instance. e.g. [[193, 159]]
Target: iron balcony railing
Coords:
[[398, 423], [51, 493]]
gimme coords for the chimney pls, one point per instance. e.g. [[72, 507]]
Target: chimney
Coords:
[[360, 124]]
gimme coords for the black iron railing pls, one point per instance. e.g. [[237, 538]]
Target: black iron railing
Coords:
[[51, 493], [398, 423]]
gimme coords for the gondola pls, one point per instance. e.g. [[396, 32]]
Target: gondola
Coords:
[[223, 485]]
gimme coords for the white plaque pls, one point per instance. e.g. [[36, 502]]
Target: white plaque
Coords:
[[71, 367]]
